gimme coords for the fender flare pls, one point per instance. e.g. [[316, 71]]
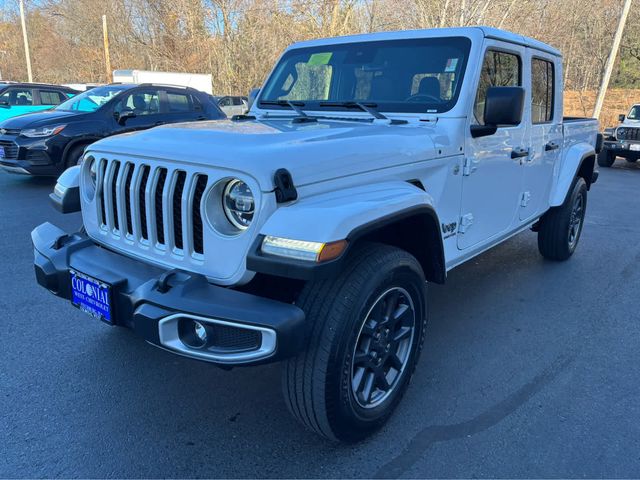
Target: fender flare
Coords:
[[574, 159], [354, 214]]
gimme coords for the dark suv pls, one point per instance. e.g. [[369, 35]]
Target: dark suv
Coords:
[[46, 143]]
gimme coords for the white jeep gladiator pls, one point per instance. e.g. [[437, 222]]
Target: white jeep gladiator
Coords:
[[306, 231], [622, 141]]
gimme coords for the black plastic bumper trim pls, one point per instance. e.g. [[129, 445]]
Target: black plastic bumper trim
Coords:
[[138, 303]]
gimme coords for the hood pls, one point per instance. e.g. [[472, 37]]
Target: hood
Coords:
[[40, 119], [312, 152], [630, 123]]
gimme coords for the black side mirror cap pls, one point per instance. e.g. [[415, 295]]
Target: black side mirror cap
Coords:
[[483, 130], [5, 105], [621, 117], [504, 106], [66, 194], [122, 118]]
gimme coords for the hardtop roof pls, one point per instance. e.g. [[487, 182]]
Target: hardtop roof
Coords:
[[470, 32]]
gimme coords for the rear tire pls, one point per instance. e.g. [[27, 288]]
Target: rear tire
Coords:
[[561, 227], [606, 158], [359, 358]]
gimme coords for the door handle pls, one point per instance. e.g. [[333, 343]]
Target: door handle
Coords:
[[551, 146], [519, 153], [159, 123], [201, 117]]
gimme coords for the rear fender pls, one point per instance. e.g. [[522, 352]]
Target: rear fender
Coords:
[[578, 161]]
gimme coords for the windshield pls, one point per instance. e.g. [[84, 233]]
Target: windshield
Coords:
[[634, 114], [417, 75], [91, 100]]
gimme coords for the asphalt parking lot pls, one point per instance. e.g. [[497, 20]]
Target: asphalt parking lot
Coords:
[[530, 369]]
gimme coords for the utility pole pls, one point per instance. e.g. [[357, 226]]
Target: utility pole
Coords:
[[612, 59], [107, 57], [26, 41]]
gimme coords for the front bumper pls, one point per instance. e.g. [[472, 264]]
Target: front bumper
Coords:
[[623, 148], [31, 156], [151, 301]]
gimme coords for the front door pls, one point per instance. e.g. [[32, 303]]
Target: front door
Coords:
[[492, 182], [546, 135]]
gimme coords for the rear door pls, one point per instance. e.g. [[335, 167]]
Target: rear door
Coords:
[[181, 106], [546, 133], [16, 101], [48, 98], [492, 177]]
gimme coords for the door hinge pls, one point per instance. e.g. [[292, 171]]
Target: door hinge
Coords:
[[524, 199], [467, 167], [465, 222]]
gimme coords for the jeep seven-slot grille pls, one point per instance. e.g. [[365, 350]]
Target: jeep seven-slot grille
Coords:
[[632, 134], [152, 205]]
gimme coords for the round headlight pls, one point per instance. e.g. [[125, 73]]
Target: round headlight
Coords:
[[238, 204], [93, 171], [89, 176]]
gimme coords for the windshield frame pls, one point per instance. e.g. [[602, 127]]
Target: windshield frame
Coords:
[[634, 108], [410, 108], [120, 88]]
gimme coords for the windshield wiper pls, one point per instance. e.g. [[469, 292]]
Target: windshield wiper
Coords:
[[365, 107], [302, 116]]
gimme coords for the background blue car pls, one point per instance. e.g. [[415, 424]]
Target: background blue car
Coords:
[[20, 98]]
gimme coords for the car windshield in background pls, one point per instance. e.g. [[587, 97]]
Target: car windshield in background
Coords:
[[417, 75], [91, 100], [634, 114]]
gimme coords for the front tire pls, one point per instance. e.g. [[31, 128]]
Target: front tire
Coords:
[[366, 333], [74, 157], [561, 227], [606, 158], [631, 160]]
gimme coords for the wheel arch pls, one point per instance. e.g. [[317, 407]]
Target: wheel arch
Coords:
[[77, 142], [416, 230], [393, 213], [579, 162]]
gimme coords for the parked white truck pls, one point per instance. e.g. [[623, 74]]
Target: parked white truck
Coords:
[[622, 141], [199, 81], [307, 230]]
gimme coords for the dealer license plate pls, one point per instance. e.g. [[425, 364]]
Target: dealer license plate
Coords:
[[635, 147], [91, 296]]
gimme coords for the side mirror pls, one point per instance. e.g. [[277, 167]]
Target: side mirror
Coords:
[[253, 94], [621, 117], [66, 194], [4, 104], [503, 107], [122, 117]]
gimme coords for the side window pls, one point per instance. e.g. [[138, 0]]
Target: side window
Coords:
[[141, 103], [225, 102], [50, 97], [499, 69], [237, 101], [179, 102], [542, 83], [19, 96]]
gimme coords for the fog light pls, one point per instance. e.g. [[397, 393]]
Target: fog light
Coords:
[[200, 331], [192, 333]]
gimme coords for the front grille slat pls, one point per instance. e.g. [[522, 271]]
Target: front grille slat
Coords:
[[159, 204], [10, 150], [196, 203], [176, 205], [157, 207], [120, 195]]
